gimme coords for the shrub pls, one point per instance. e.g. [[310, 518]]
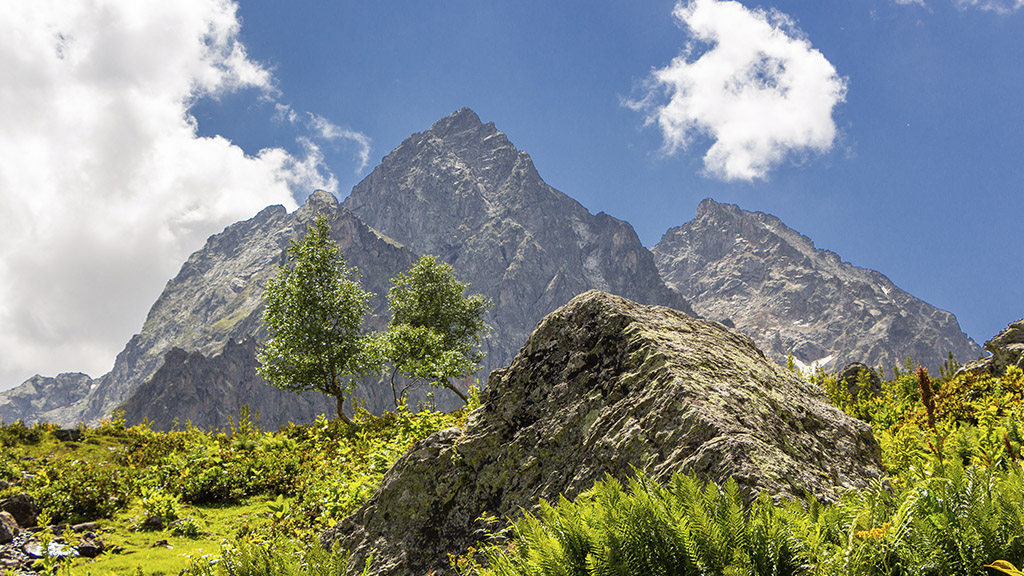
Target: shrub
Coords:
[[78, 491], [276, 557]]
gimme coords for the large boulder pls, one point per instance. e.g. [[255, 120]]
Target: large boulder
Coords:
[[601, 386]]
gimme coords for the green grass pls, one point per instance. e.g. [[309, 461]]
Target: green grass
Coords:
[[141, 552], [241, 487]]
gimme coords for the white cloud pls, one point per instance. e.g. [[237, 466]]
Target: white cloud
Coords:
[[909, 2], [332, 133], [105, 186], [998, 6], [325, 130], [748, 82]]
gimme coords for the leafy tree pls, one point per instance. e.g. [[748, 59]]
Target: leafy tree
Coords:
[[314, 308], [434, 328]]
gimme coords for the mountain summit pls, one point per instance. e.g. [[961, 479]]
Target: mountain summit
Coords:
[[463, 192], [750, 269]]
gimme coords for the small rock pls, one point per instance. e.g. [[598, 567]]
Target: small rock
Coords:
[[162, 543], [85, 527], [851, 374], [90, 547], [24, 509], [1007, 350], [154, 522], [56, 549], [8, 527], [68, 435]]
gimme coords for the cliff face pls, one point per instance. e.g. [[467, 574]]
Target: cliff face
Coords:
[[773, 284], [605, 384], [194, 329], [463, 192]]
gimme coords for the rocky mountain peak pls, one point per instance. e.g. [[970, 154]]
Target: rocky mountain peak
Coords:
[[319, 201], [463, 192], [602, 386], [771, 282]]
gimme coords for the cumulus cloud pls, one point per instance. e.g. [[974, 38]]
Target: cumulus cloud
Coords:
[[751, 84], [105, 185]]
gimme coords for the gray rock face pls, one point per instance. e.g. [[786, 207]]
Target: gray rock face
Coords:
[[209, 390], [604, 384], [791, 298], [215, 302], [1007, 349], [41, 394], [463, 192]]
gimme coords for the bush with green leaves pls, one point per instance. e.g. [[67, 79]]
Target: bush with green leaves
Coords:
[[274, 557], [346, 463], [157, 502], [78, 491], [17, 433]]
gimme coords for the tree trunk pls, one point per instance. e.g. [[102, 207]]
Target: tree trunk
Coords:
[[341, 409], [458, 392]]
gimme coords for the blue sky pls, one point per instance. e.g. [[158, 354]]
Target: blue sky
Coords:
[[166, 123]]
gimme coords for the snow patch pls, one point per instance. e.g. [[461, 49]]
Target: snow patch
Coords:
[[809, 368]]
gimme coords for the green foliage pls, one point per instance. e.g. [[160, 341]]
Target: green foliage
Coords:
[[314, 309], [951, 525], [434, 329], [254, 557], [346, 464], [78, 491], [18, 433], [157, 502]]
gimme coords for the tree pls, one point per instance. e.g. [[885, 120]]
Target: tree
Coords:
[[314, 308], [434, 329]]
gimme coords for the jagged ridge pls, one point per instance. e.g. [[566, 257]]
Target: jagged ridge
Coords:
[[772, 283]]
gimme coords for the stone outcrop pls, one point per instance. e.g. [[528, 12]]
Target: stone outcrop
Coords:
[[605, 384], [791, 298], [1007, 349], [463, 192]]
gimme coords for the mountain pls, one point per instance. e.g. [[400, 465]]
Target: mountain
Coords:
[[751, 270], [463, 192], [459, 190], [606, 386], [194, 358]]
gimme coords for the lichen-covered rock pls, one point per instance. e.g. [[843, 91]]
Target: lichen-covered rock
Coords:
[[1007, 349], [601, 386]]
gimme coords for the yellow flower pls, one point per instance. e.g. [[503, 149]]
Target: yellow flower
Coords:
[[875, 533]]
